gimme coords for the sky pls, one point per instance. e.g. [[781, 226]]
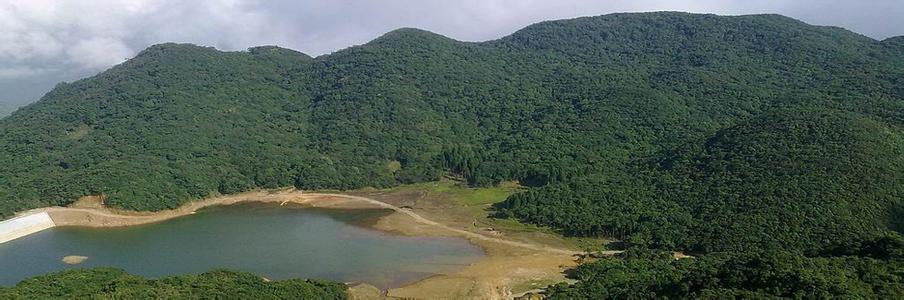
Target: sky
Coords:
[[43, 42]]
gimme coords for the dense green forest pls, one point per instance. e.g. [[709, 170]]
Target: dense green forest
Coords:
[[105, 283], [795, 179], [670, 131], [867, 269]]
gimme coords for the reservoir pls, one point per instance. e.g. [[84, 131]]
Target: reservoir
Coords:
[[277, 242]]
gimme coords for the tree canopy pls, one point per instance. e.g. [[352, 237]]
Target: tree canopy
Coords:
[[107, 283], [646, 274]]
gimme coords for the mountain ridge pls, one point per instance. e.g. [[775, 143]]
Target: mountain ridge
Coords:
[[411, 32]]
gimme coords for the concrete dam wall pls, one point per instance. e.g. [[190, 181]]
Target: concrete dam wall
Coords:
[[24, 225]]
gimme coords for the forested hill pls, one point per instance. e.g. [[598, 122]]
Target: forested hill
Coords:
[[897, 41], [651, 127]]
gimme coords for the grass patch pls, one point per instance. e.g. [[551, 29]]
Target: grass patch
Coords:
[[473, 205], [441, 186], [483, 196], [460, 193], [512, 225], [533, 285]]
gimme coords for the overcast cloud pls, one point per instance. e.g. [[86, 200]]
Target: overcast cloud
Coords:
[[43, 42]]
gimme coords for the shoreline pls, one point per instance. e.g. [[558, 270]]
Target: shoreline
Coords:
[[506, 263], [94, 214]]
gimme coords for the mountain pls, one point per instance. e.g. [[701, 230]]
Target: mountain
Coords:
[[671, 131], [796, 179], [555, 104]]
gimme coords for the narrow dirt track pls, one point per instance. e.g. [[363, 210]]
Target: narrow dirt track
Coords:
[[470, 234]]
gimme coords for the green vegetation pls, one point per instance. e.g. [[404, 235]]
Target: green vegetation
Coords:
[[486, 196], [670, 131], [874, 272], [464, 195], [104, 283], [790, 179]]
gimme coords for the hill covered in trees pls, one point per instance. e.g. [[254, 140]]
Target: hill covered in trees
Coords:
[[674, 131], [795, 179], [105, 283]]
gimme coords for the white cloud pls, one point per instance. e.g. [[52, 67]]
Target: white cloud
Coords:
[[89, 36], [21, 72], [98, 53]]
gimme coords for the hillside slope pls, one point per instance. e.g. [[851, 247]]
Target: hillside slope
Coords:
[[578, 106], [797, 179]]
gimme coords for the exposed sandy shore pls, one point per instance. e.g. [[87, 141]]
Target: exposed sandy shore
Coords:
[[89, 212], [507, 263]]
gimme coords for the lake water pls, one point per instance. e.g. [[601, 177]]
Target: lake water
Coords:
[[275, 242]]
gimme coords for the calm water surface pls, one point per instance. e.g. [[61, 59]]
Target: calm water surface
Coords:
[[275, 242]]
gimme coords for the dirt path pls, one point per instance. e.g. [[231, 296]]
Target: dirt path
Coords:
[[471, 234]]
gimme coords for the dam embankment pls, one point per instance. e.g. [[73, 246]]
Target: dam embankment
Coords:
[[24, 225]]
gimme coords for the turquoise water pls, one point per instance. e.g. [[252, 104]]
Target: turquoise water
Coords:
[[275, 242]]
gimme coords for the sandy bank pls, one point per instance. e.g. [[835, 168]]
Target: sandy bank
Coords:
[[91, 215]]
